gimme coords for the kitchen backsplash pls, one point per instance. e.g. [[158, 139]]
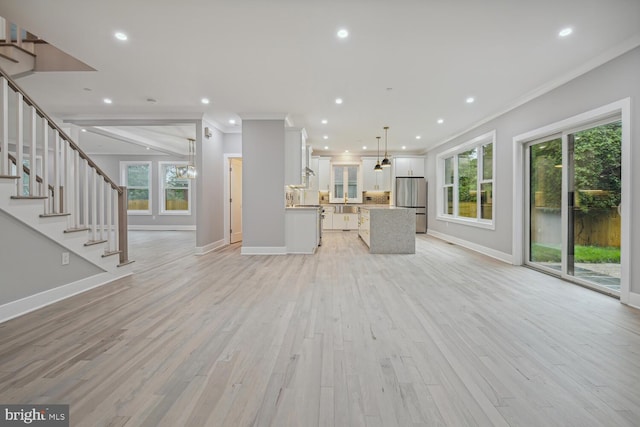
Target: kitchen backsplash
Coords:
[[376, 197], [368, 197]]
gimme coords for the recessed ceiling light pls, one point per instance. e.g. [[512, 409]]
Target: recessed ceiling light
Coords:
[[325, 137], [325, 121], [565, 32], [83, 130], [148, 148], [346, 151], [232, 121], [107, 101], [343, 33], [326, 147], [205, 100], [440, 121], [338, 101], [364, 147], [470, 100], [121, 36], [418, 137], [404, 147]]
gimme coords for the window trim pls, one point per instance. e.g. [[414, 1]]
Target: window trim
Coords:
[[161, 188], [477, 142], [124, 181]]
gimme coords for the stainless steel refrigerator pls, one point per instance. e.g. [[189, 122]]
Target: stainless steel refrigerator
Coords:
[[411, 192]]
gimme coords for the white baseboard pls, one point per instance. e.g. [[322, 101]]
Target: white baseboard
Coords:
[[500, 256], [162, 227], [28, 304], [634, 300], [201, 250], [263, 250]]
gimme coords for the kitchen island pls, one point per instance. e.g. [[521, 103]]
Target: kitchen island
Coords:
[[388, 229]]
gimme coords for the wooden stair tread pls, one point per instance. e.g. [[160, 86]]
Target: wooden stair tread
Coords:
[[94, 242], [107, 254], [52, 215], [9, 177], [29, 197], [75, 230]]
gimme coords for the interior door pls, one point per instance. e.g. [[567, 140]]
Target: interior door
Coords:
[[235, 183]]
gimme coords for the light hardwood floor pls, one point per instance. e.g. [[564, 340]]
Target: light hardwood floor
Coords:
[[345, 338]]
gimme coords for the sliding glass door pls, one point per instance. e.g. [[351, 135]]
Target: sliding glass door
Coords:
[[573, 205]]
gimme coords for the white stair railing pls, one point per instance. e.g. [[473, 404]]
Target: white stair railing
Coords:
[[33, 147]]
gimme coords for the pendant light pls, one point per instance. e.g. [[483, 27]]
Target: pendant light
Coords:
[[386, 162], [378, 168], [189, 171]]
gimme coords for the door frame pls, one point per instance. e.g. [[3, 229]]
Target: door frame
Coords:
[[227, 195], [620, 108]]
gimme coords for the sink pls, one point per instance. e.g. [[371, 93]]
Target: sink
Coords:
[[344, 209]]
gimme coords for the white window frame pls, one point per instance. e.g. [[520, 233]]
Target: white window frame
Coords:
[[161, 187], [333, 197], [123, 181], [441, 207]]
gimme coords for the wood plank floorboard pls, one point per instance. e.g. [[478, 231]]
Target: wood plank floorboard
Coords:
[[444, 337]]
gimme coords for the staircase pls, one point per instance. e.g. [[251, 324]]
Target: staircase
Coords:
[[23, 53], [48, 183]]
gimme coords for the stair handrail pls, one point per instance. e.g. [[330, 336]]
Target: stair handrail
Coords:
[[52, 124], [121, 214]]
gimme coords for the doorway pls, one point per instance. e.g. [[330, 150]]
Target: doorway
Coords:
[[235, 200], [573, 185]]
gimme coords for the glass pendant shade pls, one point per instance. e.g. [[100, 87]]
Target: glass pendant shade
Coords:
[[189, 171]]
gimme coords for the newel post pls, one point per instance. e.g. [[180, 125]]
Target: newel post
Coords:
[[122, 226]]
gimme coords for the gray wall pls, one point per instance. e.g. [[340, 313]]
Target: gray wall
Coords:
[[110, 164], [210, 186], [32, 263], [233, 143], [615, 80], [263, 183]]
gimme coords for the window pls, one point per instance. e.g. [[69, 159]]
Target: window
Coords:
[[136, 176], [175, 193], [465, 176], [346, 183]]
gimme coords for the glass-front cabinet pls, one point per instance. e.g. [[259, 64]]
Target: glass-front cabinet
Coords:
[[346, 183]]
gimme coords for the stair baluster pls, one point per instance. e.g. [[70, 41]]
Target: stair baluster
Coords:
[[72, 182]]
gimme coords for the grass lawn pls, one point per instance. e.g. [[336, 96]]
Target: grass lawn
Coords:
[[583, 254]]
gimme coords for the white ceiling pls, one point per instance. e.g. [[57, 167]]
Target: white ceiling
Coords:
[[405, 64]]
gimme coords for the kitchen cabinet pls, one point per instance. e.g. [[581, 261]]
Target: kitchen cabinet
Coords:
[[302, 233], [345, 221], [372, 180], [314, 183], [296, 158], [324, 174], [327, 220], [408, 166], [346, 183]]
